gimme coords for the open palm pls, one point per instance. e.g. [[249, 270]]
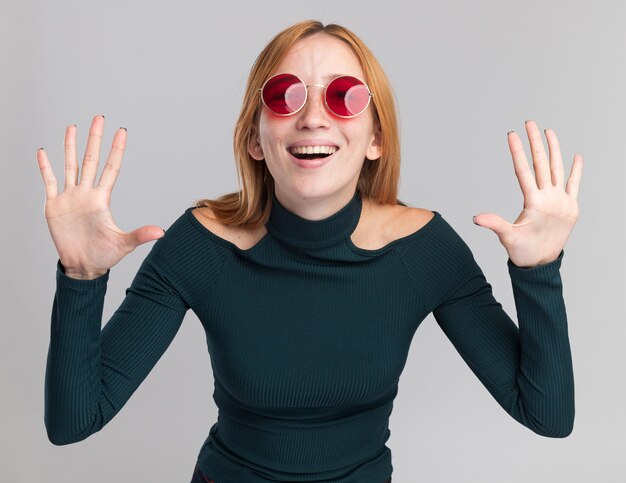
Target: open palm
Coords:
[[79, 218], [539, 233]]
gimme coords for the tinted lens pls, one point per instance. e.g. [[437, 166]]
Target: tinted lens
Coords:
[[284, 94], [347, 96]]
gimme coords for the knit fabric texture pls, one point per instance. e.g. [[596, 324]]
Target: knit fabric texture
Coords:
[[308, 335]]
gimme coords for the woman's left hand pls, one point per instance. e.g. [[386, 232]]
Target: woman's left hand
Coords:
[[550, 210]]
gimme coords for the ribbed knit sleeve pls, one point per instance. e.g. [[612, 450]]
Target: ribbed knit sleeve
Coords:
[[528, 370], [91, 373]]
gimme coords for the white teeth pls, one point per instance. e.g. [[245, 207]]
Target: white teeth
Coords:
[[313, 149]]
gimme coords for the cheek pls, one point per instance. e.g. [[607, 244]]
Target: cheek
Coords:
[[360, 136], [359, 129], [272, 131]]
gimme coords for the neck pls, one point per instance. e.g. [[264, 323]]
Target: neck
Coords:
[[316, 228], [313, 209]]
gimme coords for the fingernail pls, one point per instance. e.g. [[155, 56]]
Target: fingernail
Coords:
[[474, 220], [526, 122], [39, 148], [74, 125], [102, 116], [509, 132], [124, 129]]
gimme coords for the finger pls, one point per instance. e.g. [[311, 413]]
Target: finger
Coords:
[[556, 160], [92, 152], [114, 161], [540, 160], [520, 164], [49, 180], [573, 182], [71, 163]]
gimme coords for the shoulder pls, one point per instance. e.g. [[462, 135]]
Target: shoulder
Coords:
[[382, 224], [394, 221], [205, 215], [241, 236], [406, 220], [411, 218]]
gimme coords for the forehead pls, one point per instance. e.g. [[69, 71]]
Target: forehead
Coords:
[[319, 57]]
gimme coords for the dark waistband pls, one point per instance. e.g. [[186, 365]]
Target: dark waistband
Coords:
[[306, 447]]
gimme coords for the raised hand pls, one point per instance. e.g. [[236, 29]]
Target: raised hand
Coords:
[[550, 210], [79, 219]]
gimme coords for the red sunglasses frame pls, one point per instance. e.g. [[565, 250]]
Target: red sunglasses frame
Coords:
[[306, 95]]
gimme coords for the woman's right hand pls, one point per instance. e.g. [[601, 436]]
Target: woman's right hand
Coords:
[[79, 219]]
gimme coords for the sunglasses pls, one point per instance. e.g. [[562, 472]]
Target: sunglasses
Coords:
[[345, 96]]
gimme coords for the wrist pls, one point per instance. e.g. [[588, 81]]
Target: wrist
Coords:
[[80, 274], [84, 275]]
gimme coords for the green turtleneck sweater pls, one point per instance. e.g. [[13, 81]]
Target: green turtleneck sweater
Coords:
[[308, 335]]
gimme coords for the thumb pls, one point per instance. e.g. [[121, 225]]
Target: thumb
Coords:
[[491, 221], [145, 234]]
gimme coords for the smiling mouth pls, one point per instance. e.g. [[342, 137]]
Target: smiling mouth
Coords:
[[311, 155], [311, 160]]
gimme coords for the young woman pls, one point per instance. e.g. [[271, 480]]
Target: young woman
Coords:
[[310, 281]]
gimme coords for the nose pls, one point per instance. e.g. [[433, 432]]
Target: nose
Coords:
[[314, 114]]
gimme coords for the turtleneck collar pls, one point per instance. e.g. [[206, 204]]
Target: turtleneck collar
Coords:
[[299, 232]]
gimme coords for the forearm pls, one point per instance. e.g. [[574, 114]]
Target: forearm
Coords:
[[545, 378], [72, 384], [92, 372], [528, 370]]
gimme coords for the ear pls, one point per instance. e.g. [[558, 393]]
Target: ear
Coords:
[[254, 145], [374, 150]]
